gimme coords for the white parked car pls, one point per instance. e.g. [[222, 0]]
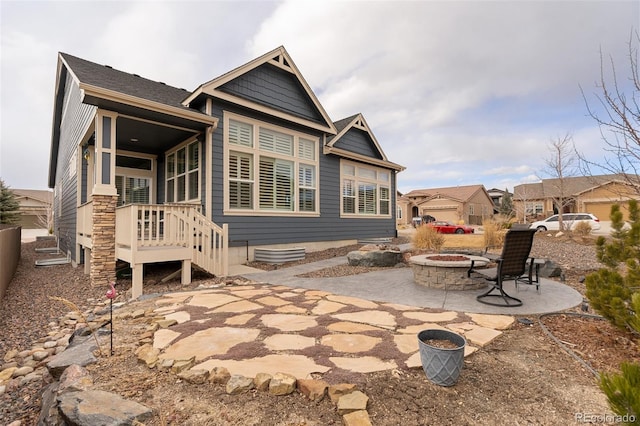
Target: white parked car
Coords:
[[570, 220]]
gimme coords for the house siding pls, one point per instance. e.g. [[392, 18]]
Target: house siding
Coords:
[[276, 88], [75, 121], [359, 142], [271, 230], [482, 208]]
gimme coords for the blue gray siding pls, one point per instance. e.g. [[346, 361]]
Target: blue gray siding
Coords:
[[264, 230], [358, 141], [273, 87], [75, 120]]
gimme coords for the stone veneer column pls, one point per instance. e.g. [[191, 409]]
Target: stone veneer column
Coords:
[[103, 253]]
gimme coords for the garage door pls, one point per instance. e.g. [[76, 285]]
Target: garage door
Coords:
[[603, 210], [443, 214], [28, 221]]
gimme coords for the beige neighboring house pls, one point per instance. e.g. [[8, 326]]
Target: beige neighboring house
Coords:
[[35, 207], [469, 204], [584, 194], [402, 203]]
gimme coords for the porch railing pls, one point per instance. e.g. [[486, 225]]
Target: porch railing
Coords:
[[84, 224], [140, 226]]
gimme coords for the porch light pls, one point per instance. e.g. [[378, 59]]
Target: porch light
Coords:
[[85, 153]]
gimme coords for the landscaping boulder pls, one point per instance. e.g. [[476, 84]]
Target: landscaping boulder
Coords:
[[375, 255]]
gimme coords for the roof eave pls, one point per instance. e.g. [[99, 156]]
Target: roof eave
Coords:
[[362, 158], [111, 95]]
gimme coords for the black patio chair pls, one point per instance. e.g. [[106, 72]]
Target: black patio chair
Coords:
[[511, 265]]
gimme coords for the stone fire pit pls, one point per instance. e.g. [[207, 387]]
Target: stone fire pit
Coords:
[[447, 271]]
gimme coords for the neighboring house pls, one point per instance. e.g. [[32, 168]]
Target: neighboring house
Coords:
[[582, 194], [145, 172], [469, 204], [403, 216], [496, 196], [35, 208]]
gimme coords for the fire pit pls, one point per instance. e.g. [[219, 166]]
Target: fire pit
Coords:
[[447, 271]]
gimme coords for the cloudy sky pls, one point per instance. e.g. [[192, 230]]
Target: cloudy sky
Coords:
[[458, 92]]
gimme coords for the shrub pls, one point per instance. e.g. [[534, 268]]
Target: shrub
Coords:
[[611, 290], [427, 238], [582, 229], [493, 234], [623, 392]]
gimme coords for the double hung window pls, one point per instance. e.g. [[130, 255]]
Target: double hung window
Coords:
[[183, 173], [365, 190], [270, 169]]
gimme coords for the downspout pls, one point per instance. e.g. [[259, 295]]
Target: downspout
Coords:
[[209, 165]]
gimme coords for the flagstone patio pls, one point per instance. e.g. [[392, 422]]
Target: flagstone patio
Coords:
[[269, 329]]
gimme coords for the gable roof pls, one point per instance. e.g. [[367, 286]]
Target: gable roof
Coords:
[[35, 194], [105, 87], [572, 186], [457, 193], [102, 82], [357, 122], [280, 59]]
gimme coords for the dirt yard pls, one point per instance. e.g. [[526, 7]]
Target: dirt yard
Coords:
[[523, 377]]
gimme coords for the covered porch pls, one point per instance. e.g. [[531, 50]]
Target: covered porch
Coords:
[[151, 233], [143, 192]]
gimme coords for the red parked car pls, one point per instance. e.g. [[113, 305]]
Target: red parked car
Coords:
[[444, 227]]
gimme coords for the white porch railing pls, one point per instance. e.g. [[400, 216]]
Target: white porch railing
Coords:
[[84, 224], [142, 227]]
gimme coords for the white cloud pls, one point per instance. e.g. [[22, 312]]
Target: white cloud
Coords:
[[458, 92]]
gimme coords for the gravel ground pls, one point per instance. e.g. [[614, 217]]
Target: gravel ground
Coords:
[[27, 308]]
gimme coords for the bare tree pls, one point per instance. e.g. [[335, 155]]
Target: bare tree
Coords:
[[561, 163], [522, 194], [619, 120]]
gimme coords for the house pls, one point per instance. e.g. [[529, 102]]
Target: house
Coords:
[[402, 216], [496, 196], [145, 172], [584, 194], [467, 204], [35, 208]]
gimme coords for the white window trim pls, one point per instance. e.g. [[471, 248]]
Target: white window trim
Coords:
[[140, 173], [175, 150], [255, 153], [358, 180]]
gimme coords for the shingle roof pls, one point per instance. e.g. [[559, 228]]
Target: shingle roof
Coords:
[[36, 194], [459, 193], [105, 77], [341, 124], [571, 186]]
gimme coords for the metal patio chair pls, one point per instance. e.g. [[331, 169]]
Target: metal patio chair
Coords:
[[511, 265]]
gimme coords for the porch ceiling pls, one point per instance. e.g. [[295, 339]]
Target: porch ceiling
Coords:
[[151, 138]]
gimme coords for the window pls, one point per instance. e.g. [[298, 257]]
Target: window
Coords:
[[533, 208], [183, 173], [269, 169], [132, 190], [366, 190], [135, 178], [399, 212]]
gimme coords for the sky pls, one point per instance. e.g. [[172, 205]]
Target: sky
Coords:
[[458, 92]]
